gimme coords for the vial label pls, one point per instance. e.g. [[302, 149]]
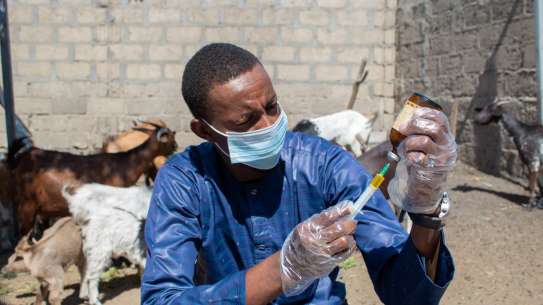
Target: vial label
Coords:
[[405, 115]]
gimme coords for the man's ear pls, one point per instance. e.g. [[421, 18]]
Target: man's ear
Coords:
[[201, 129]]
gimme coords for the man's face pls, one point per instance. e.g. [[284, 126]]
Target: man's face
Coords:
[[245, 103]]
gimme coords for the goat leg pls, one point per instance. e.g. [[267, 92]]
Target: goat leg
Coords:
[[93, 290], [56, 288], [83, 287], [36, 233], [532, 179], [539, 204], [42, 293]]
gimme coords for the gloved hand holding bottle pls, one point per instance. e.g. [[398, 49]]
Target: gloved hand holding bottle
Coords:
[[428, 154], [316, 246]]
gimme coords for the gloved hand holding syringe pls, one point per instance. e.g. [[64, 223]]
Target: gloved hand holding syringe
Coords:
[[317, 245]]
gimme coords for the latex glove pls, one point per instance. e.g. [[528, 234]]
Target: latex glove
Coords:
[[316, 246], [428, 154]]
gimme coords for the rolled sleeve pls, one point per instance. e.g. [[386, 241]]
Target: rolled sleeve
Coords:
[[404, 280], [230, 290], [173, 237]]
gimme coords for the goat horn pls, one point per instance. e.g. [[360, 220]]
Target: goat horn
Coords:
[[373, 116], [503, 102], [161, 131]]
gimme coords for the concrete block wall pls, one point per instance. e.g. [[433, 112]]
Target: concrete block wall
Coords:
[[471, 52], [84, 69]]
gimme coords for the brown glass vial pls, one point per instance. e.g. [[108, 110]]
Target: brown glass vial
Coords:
[[415, 101]]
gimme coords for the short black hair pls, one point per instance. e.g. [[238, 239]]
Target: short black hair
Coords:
[[215, 63]]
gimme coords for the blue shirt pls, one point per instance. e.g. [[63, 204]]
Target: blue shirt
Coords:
[[199, 209]]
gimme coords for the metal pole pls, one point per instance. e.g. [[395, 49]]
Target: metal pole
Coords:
[[7, 78], [21, 131], [538, 15]]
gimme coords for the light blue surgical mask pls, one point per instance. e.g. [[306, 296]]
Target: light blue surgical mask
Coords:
[[259, 149]]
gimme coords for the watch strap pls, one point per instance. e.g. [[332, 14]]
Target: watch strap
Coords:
[[427, 221], [434, 221]]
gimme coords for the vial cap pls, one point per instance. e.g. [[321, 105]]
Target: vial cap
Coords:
[[393, 157]]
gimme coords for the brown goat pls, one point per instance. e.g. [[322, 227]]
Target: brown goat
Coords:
[[38, 175], [48, 259], [132, 138], [5, 198]]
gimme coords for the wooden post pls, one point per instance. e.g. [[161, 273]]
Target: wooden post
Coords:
[[362, 74], [454, 118]]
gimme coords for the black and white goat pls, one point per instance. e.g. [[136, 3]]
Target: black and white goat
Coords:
[[528, 139], [348, 129], [111, 221]]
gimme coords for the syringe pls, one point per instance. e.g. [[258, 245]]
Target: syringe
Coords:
[[368, 192]]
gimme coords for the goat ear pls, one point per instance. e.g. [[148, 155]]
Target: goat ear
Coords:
[[157, 125], [503, 102], [13, 258], [144, 130]]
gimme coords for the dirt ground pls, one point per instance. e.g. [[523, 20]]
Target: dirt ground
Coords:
[[497, 246]]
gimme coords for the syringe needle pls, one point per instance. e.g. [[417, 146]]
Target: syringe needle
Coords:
[[370, 189]]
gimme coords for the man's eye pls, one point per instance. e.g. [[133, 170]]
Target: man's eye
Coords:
[[244, 120], [271, 106]]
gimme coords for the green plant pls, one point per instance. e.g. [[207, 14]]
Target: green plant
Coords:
[[348, 264], [4, 289], [110, 274], [9, 275], [29, 287]]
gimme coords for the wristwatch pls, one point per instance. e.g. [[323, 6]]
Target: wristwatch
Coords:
[[434, 221]]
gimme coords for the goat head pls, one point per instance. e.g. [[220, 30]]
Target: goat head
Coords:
[[491, 113]]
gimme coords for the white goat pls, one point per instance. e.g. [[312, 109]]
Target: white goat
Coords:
[[348, 128], [111, 221]]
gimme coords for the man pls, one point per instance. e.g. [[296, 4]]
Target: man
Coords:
[[260, 206]]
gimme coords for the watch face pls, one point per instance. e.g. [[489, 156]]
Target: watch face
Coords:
[[445, 205]]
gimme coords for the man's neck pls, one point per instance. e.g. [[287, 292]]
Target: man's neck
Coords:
[[241, 172]]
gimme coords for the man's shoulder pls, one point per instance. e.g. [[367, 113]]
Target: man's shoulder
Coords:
[[317, 152], [191, 160], [299, 142]]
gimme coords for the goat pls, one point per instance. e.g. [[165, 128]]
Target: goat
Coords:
[[112, 222], [348, 129], [48, 259], [7, 227], [132, 138], [5, 187], [528, 139], [38, 175]]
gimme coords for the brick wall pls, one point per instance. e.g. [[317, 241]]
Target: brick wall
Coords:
[[471, 52], [84, 69]]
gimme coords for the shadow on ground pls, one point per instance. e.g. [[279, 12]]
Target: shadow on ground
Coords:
[[109, 290], [514, 198]]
